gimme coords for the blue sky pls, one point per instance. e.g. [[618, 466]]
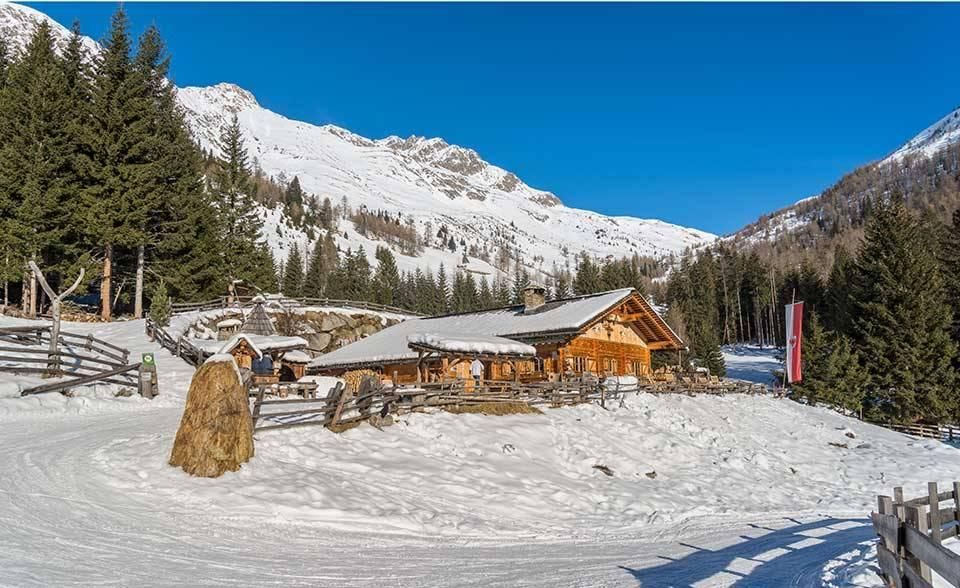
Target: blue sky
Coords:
[[702, 115]]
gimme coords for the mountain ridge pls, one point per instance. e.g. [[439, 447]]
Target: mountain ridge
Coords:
[[427, 182]]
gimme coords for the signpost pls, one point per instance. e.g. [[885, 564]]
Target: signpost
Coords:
[[148, 376]]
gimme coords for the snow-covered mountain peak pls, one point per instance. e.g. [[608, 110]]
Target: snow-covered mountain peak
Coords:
[[227, 96], [940, 134], [487, 213], [18, 22]]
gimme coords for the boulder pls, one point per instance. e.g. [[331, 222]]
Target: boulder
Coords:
[[331, 322], [216, 431], [319, 341]]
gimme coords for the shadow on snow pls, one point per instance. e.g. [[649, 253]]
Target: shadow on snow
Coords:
[[794, 555]]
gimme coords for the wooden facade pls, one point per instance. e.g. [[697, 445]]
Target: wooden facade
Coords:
[[617, 341]]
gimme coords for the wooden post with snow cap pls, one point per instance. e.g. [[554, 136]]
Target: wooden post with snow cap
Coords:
[[55, 303]]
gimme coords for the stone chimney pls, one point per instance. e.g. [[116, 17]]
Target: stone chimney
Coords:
[[534, 296]]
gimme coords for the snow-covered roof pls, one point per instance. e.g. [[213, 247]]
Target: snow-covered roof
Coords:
[[224, 324], [558, 318], [259, 343], [296, 356], [489, 345]]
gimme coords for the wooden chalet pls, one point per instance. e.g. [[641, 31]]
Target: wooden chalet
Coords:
[[609, 333]]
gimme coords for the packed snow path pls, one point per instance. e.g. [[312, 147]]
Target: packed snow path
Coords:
[[86, 497], [60, 525]]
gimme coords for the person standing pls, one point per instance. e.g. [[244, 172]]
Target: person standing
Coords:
[[476, 370]]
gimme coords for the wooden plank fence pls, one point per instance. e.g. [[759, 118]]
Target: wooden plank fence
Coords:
[[288, 303], [85, 357], [181, 346], [374, 402], [911, 534], [948, 433]]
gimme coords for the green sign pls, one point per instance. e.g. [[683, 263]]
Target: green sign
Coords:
[[147, 359]]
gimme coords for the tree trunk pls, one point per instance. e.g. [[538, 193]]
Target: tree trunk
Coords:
[[105, 300], [53, 361], [138, 296], [32, 309]]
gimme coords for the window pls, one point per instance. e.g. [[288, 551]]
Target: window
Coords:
[[579, 364]]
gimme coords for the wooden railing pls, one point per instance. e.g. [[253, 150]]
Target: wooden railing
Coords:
[[911, 535], [373, 401], [288, 303], [86, 357], [948, 433], [180, 346]]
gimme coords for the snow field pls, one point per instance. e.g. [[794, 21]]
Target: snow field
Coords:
[[532, 475]]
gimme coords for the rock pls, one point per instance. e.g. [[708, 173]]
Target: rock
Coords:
[[509, 448], [319, 341], [851, 434], [381, 421], [216, 431], [652, 475], [331, 322], [367, 329]]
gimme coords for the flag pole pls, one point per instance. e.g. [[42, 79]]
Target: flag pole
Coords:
[[786, 344]]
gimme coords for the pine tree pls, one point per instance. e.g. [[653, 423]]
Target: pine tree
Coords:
[[245, 256], [121, 128], [587, 280], [293, 198], [950, 259], [485, 298], [832, 373], [442, 297], [838, 310], [521, 279], [37, 183], [293, 273], [160, 309], [386, 280], [180, 236], [315, 278], [902, 319]]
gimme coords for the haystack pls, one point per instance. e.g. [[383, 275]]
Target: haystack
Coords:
[[216, 431]]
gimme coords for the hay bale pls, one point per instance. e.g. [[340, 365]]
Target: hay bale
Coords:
[[216, 431], [494, 408], [354, 378]]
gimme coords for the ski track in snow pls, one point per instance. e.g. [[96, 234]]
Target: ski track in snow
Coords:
[[86, 497]]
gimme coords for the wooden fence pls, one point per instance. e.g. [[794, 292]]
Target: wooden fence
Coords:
[[948, 433], [88, 359], [180, 346], [911, 535], [337, 408], [288, 303]]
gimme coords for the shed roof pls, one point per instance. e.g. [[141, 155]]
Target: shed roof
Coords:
[[555, 320], [258, 321]]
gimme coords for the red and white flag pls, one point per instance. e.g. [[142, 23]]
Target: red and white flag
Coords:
[[794, 341]]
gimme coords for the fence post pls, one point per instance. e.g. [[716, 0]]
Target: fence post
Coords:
[[936, 533], [917, 519], [956, 502], [885, 506]]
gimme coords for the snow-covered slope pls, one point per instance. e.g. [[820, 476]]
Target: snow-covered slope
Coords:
[[428, 181], [942, 133]]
